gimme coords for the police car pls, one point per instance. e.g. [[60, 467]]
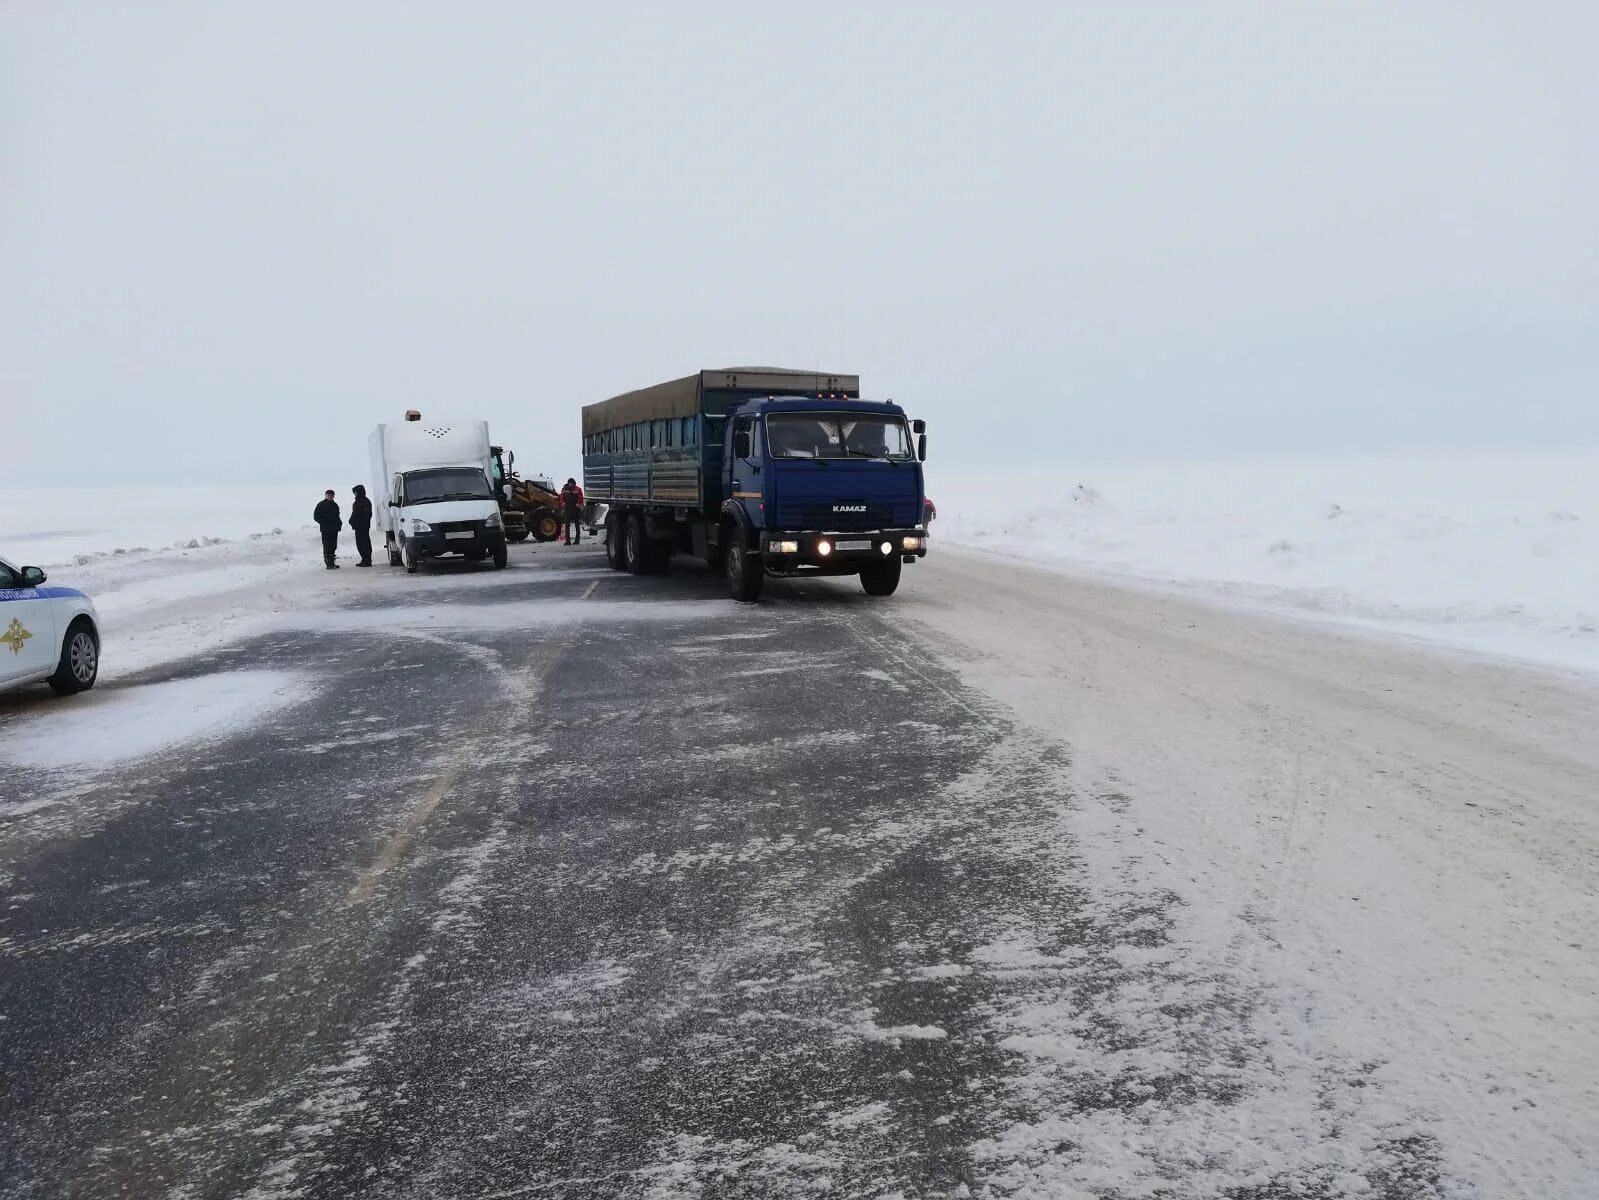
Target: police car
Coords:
[[47, 634]]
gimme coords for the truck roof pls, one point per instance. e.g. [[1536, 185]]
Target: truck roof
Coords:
[[682, 397]]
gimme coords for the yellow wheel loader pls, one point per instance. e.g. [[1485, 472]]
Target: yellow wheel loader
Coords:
[[529, 508]]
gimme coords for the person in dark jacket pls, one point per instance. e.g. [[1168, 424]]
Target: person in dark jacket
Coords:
[[326, 515], [572, 502], [361, 525]]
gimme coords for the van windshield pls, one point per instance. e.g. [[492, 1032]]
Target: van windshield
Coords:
[[446, 483], [837, 435]]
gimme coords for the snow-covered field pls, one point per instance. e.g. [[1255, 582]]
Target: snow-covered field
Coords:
[[1495, 553], [54, 526]]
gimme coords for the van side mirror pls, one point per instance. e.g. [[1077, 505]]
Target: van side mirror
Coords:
[[741, 443], [921, 447], [918, 426], [32, 577]]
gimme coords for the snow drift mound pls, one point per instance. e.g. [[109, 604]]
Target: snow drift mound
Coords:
[[1496, 553]]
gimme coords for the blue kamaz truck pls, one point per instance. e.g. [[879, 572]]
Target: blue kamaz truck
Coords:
[[758, 471]]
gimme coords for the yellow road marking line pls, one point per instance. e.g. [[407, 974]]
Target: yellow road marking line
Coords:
[[403, 838]]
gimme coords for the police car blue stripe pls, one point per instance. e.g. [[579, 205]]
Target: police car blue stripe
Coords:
[[44, 593]]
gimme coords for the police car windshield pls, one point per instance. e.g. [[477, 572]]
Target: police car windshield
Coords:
[[449, 483], [836, 435]]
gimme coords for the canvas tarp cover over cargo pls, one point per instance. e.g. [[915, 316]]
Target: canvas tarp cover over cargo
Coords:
[[681, 397]]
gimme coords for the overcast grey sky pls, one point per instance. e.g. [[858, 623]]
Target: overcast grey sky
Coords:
[[235, 236]]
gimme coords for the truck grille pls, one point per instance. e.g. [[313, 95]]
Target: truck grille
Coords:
[[457, 526], [822, 516]]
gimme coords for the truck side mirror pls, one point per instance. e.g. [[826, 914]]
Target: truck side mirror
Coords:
[[918, 426], [921, 447]]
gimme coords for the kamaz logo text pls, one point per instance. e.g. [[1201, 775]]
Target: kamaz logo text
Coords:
[[849, 508]]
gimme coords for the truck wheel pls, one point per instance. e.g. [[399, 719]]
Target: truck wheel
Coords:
[[80, 660], [394, 555], [634, 545], [547, 527], [881, 579], [745, 575], [501, 557], [409, 556], [613, 543]]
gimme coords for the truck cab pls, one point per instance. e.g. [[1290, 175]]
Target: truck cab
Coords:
[[821, 485]]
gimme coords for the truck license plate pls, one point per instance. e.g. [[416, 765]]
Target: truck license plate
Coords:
[[854, 545], [466, 534]]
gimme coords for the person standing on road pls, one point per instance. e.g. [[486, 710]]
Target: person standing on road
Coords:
[[572, 503], [326, 515], [361, 525]]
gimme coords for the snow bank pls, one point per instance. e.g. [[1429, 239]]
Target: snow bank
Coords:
[[113, 726], [1495, 553], [52, 526]]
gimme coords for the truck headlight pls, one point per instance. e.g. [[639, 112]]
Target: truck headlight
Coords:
[[783, 547], [914, 543], [420, 526], [493, 522]]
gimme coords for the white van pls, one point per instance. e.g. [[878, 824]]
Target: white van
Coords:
[[433, 495]]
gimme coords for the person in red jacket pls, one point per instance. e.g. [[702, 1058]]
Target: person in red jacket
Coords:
[[572, 503]]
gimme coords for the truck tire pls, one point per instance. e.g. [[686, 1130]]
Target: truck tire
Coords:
[[409, 555], [746, 575], [635, 545], [394, 552], [546, 527], [613, 542], [881, 579], [79, 666], [501, 556]]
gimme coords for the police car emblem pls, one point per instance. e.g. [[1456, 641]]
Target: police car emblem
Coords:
[[15, 635]]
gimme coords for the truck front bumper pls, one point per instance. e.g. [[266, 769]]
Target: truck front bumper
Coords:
[[817, 552]]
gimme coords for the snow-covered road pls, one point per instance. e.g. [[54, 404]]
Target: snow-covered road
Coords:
[[560, 882], [1399, 846]]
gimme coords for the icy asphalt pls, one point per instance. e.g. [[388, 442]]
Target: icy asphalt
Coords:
[[566, 883]]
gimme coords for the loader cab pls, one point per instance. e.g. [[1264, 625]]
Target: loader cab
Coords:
[[502, 463]]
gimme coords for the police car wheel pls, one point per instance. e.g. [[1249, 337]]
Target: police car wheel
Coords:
[[80, 660]]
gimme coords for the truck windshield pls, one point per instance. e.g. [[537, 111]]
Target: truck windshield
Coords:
[[447, 483], [837, 435]]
